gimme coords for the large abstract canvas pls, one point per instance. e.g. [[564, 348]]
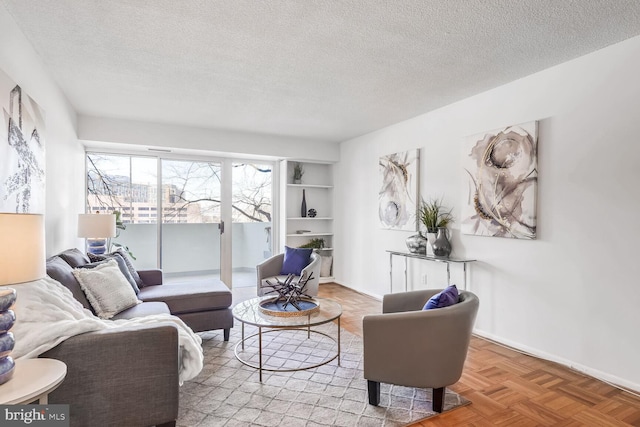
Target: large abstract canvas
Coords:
[[399, 190], [502, 176], [21, 150]]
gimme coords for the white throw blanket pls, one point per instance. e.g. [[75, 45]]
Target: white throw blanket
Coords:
[[47, 314]]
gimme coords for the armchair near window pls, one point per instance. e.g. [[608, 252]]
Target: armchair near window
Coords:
[[412, 347], [271, 268]]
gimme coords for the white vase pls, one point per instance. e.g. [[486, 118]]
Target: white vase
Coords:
[[431, 238]]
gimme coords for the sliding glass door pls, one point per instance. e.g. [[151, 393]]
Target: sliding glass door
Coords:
[[252, 220], [191, 206], [173, 212]]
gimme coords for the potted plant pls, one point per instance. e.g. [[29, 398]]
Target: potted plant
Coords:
[[435, 218], [297, 173], [314, 244], [434, 215], [120, 225]]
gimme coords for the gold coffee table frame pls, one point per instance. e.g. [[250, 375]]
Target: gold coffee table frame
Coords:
[[249, 313]]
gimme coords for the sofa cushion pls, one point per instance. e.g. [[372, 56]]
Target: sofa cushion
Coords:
[[58, 269], [449, 296], [74, 257], [325, 265], [295, 259], [189, 297], [106, 289], [143, 309], [121, 265], [125, 256]]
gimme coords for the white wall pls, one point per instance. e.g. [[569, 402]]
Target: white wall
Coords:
[[64, 155], [572, 295], [231, 143]]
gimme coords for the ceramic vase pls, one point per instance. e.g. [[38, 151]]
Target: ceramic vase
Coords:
[[303, 207], [441, 246], [417, 244], [431, 238]]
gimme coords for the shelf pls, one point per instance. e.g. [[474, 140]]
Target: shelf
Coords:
[[309, 234], [318, 182], [309, 186], [299, 218]]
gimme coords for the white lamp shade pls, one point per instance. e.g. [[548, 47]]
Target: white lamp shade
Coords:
[[22, 253], [96, 226]]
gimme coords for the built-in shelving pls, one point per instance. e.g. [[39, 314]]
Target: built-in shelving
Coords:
[[299, 218], [310, 186], [317, 183], [312, 234]]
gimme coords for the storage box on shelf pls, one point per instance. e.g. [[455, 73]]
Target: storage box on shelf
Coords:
[[317, 186]]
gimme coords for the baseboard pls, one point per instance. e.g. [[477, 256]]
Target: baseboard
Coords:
[[360, 291], [603, 376]]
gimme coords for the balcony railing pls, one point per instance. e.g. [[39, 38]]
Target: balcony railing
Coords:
[[195, 248]]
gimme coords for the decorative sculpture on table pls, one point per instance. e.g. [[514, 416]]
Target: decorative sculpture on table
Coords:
[[290, 292]]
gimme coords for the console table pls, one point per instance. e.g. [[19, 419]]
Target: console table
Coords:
[[447, 261]]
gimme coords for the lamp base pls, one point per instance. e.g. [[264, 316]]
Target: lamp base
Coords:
[[96, 246], [7, 366]]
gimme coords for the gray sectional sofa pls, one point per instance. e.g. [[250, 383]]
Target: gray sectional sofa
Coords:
[[202, 306], [130, 377]]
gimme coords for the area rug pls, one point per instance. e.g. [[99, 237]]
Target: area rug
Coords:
[[228, 393]]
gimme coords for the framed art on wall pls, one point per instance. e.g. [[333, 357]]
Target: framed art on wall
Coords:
[[21, 150], [502, 178], [399, 190]]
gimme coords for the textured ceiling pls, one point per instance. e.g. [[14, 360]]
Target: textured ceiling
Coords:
[[328, 70]]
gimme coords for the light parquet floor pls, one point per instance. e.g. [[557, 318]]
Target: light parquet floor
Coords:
[[508, 388]]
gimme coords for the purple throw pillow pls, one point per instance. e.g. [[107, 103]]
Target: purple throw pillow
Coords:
[[447, 297], [295, 259]]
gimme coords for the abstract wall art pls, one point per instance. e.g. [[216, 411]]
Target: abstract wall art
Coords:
[[21, 150], [399, 190], [501, 168]]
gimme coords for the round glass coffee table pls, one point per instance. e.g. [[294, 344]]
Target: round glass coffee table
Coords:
[[307, 355]]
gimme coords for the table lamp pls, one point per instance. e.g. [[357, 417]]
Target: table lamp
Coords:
[[22, 259], [97, 228]]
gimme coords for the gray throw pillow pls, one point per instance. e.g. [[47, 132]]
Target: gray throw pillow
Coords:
[[125, 256], [132, 269], [325, 266], [106, 288], [121, 265]]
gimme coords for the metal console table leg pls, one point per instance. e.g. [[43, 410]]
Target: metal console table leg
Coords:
[[447, 261]]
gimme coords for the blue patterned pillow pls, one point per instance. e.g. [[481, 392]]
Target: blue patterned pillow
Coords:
[[295, 259], [447, 297]]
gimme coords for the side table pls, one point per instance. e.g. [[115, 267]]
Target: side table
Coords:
[[33, 379]]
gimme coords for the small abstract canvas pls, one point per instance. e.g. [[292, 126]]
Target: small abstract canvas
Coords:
[[502, 178], [399, 190], [21, 150]]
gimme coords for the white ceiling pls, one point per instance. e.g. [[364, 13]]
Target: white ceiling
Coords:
[[327, 70]]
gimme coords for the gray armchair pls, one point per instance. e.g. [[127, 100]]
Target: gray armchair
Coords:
[[270, 268], [411, 347]]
